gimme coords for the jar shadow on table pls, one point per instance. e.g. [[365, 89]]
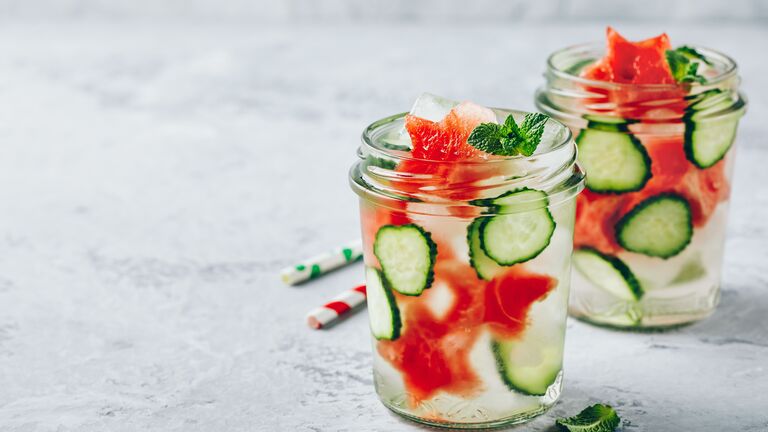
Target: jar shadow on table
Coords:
[[740, 318]]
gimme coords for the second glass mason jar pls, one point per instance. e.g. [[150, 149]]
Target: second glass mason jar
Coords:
[[650, 226], [482, 345]]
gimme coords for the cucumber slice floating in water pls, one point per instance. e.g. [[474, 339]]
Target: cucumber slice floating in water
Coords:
[[659, 226], [707, 143], [382, 308], [484, 266], [596, 418], [708, 140], [615, 161], [511, 238], [531, 364], [407, 257], [608, 273]]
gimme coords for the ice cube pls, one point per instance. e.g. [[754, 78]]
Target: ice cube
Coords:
[[432, 107]]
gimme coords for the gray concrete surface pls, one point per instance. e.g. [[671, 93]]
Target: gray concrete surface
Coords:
[[156, 176]]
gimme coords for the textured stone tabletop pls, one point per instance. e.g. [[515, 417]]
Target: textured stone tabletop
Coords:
[[156, 176]]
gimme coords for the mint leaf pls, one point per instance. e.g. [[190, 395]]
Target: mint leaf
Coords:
[[510, 139], [510, 126], [684, 65], [486, 137], [597, 418], [532, 129]]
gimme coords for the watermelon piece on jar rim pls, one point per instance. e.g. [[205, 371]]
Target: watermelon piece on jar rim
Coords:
[[643, 62]]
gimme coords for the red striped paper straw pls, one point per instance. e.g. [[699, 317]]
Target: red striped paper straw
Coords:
[[340, 306]]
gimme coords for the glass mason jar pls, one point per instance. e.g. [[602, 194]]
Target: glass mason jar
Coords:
[[482, 345], [650, 226]]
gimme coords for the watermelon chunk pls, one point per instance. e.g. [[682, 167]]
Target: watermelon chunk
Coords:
[[509, 296], [437, 146], [641, 62], [432, 353], [447, 140]]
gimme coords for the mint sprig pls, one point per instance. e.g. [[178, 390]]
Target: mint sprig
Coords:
[[509, 139], [596, 418], [684, 63]]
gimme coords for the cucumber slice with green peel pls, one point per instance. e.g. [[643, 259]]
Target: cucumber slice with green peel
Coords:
[[706, 143], [521, 200], [707, 100], [615, 161], [596, 418], [484, 266], [513, 238], [515, 200], [608, 122], [660, 226], [382, 307], [407, 257], [707, 140], [531, 364], [608, 273]]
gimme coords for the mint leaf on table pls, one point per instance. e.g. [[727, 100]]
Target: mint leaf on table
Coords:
[[597, 418], [684, 65], [509, 139]]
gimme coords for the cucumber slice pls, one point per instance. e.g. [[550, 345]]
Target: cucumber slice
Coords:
[[513, 238], [615, 161], [382, 307], [659, 226], [531, 364], [517, 199], [485, 267], [608, 122], [608, 272], [407, 257], [707, 141]]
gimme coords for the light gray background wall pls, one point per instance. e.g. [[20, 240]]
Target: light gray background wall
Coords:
[[713, 11]]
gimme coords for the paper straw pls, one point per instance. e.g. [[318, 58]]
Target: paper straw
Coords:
[[340, 306], [322, 264]]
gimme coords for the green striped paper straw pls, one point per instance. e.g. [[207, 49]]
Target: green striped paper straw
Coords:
[[322, 264]]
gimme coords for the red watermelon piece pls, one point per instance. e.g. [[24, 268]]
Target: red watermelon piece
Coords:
[[641, 62], [509, 296], [432, 354], [437, 146], [447, 140]]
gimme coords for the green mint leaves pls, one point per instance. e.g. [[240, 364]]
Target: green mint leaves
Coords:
[[684, 63], [597, 418], [509, 139]]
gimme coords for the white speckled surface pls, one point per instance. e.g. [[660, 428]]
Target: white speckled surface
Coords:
[[156, 176]]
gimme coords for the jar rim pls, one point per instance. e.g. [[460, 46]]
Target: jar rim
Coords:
[[730, 69], [553, 169], [373, 142]]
